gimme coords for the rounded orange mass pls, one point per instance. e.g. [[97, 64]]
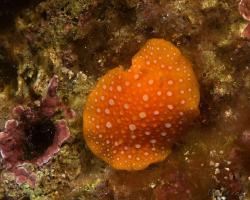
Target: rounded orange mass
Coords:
[[132, 117]]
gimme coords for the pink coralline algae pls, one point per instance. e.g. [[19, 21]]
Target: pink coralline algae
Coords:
[[244, 8], [32, 136]]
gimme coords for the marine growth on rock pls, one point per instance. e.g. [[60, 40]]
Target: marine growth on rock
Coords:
[[133, 117], [31, 136], [244, 9]]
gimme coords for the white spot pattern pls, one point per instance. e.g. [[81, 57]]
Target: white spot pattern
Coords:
[[132, 127], [145, 97], [142, 115], [108, 125], [141, 129]]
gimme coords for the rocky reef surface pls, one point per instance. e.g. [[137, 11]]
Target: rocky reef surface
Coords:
[[53, 51]]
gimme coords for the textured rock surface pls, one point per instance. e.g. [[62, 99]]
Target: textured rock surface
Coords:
[[80, 40]]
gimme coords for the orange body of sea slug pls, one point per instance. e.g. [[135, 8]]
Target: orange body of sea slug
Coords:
[[132, 117]]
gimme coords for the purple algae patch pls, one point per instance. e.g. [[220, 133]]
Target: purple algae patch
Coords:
[[32, 136]]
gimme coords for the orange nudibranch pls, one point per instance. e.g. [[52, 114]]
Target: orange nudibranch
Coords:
[[132, 117]]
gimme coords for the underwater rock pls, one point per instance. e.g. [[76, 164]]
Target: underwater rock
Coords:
[[10, 8], [8, 67], [31, 136], [93, 36], [240, 154], [133, 117], [246, 31], [176, 188], [244, 8], [245, 139], [228, 181]]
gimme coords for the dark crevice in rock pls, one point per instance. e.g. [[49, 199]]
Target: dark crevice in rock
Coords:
[[8, 69], [10, 8], [39, 136]]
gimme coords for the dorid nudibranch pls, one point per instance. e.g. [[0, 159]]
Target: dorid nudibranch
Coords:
[[132, 118], [31, 136]]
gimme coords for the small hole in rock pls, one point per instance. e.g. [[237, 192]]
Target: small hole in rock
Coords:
[[39, 135]]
